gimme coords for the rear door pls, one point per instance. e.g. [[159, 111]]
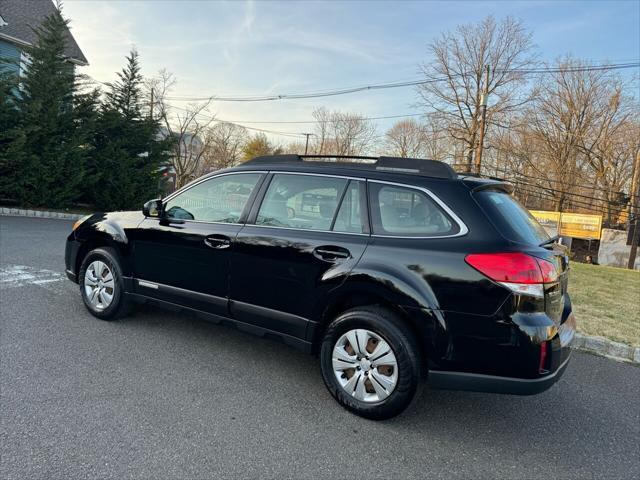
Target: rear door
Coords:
[[300, 242]]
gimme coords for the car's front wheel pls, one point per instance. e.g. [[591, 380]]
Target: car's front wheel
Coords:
[[101, 284], [370, 362]]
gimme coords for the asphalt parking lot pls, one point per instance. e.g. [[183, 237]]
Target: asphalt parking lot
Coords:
[[164, 395]]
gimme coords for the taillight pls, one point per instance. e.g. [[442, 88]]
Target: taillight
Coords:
[[519, 272]]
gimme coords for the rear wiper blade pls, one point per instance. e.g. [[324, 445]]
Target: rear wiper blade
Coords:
[[550, 240]]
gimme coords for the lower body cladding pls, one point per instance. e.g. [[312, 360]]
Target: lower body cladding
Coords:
[[475, 382]]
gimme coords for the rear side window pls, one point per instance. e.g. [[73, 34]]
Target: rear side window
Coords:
[[405, 211], [512, 219], [305, 202]]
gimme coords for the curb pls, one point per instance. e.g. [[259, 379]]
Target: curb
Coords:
[[21, 212], [620, 352]]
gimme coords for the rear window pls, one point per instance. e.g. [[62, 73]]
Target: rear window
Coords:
[[512, 219]]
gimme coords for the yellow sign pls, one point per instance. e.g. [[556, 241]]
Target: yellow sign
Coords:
[[575, 225], [580, 225], [549, 220]]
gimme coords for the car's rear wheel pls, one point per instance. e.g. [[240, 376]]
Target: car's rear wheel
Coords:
[[101, 285], [370, 362]]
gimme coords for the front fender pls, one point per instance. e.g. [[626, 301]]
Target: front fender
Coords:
[[109, 229]]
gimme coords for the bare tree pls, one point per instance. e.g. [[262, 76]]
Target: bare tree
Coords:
[[406, 138], [186, 126], [157, 88], [342, 133], [296, 147], [573, 148], [438, 145], [226, 142], [565, 114], [455, 76]]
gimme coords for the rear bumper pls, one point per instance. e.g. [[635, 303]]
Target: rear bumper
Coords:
[[489, 383]]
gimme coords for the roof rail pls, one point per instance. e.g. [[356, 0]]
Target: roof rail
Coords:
[[429, 168]]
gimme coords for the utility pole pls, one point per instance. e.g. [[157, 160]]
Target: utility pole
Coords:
[[151, 104], [306, 145], [483, 119], [634, 210]]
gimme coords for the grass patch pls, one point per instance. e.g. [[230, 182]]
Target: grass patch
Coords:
[[606, 301]]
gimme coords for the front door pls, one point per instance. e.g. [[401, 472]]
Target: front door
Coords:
[[183, 257], [302, 242]]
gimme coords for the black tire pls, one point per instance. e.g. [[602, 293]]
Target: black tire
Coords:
[[119, 306], [394, 331]]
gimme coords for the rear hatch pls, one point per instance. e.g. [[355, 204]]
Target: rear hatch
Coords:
[[517, 225]]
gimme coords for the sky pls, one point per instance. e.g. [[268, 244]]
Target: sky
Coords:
[[264, 47]]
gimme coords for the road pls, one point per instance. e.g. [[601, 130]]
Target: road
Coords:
[[164, 395]]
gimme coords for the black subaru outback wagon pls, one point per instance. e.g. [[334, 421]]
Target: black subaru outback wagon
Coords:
[[389, 269]]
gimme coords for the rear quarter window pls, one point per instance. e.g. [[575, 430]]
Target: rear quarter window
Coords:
[[512, 219], [407, 212]]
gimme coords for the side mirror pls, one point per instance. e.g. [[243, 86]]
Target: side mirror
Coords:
[[152, 208]]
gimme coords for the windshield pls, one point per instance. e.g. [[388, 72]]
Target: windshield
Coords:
[[512, 219]]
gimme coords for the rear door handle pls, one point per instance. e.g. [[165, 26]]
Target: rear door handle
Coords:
[[331, 253], [217, 241]]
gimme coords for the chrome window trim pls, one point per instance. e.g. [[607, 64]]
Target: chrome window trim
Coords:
[[461, 225]]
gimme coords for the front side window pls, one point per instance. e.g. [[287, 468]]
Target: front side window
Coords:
[[301, 201], [405, 211], [220, 199]]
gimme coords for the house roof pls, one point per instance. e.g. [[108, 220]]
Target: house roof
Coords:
[[21, 16]]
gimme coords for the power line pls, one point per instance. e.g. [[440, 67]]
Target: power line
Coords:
[[564, 184], [574, 203], [528, 188], [564, 192], [295, 122], [381, 86], [213, 118]]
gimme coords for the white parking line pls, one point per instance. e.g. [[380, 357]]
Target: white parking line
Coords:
[[21, 275]]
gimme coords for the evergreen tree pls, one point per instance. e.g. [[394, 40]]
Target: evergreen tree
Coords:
[[11, 134], [51, 166], [127, 153]]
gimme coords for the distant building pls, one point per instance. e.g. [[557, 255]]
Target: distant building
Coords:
[[18, 18]]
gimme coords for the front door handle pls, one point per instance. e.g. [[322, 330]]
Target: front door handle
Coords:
[[217, 241], [331, 253]]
